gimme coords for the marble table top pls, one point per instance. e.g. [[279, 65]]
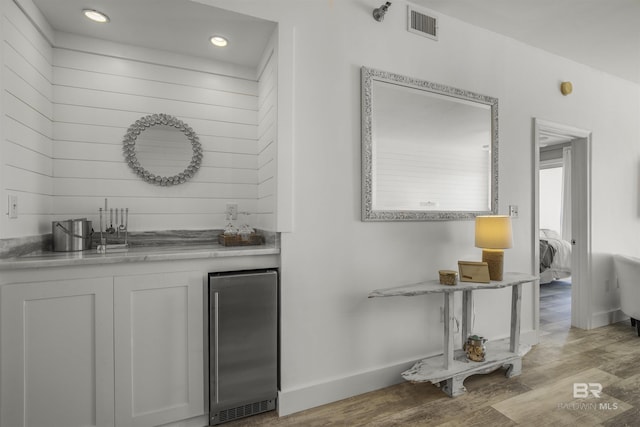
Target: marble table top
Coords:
[[134, 254], [434, 286]]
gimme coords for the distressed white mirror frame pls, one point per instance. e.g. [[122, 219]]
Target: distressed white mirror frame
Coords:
[[139, 126], [368, 76]]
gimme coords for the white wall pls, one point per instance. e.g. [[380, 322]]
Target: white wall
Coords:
[[97, 97], [68, 108], [336, 342], [26, 147]]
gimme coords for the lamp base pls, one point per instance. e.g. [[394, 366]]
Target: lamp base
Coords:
[[495, 259]]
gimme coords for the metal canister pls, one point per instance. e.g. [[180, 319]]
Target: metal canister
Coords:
[[71, 235]]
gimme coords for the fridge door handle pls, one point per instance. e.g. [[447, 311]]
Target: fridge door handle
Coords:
[[216, 306]]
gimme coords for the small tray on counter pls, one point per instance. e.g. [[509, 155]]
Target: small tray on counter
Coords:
[[252, 239]]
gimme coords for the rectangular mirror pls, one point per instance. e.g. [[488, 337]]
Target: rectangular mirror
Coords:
[[429, 151]]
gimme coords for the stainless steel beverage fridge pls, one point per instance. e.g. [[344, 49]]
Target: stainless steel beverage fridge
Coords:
[[243, 344]]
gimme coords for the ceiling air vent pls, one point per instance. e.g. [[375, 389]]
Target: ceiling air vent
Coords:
[[422, 24]]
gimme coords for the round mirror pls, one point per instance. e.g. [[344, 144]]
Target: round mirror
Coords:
[[158, 146]]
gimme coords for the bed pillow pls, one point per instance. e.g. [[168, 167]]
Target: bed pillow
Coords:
[[546, 233]]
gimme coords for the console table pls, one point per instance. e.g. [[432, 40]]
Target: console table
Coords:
[[450, 369]]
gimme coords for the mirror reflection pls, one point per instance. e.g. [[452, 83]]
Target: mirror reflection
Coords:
[[429, 151], [164, 150]]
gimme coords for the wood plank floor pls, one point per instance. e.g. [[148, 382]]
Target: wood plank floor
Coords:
[[541, 396]]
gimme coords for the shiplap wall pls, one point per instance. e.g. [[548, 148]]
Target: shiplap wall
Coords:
[[27, 113], [92, 91], [267, 140], [97, 97]]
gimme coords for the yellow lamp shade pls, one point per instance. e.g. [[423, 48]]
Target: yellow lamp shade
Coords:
[[493, 232]]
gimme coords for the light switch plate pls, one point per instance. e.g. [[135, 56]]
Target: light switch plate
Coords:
[[513, 211], [13, 206]]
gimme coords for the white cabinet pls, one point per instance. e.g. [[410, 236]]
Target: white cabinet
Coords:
[[158, 325], [56, 358], [110, 351]]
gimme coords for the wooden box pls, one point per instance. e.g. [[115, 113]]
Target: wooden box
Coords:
[[237, 240], [471, 271]]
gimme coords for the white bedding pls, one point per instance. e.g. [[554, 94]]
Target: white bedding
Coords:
[[561, 265]]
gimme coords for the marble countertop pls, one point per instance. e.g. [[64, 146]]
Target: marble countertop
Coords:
[[136, 254]]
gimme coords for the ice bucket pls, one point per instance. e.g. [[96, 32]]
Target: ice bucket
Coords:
[[71, 235]]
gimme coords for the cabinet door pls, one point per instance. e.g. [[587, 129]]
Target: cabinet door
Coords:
[[56, 359], [159, 345]]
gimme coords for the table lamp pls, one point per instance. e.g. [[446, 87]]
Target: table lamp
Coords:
[[493, 235]]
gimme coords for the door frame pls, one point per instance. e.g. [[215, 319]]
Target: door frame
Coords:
[[581, 306]]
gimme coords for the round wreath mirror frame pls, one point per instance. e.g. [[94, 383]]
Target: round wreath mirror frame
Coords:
[[139, 126]]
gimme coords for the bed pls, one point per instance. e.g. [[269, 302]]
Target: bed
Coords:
[[555, 256]]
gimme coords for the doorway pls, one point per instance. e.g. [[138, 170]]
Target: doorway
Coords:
[[555, 231], [578, 233]]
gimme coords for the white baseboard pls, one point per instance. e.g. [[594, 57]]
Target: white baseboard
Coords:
[[604, 318], [290, 401], [299, 399]]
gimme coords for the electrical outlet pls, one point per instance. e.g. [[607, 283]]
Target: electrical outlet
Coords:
[[232, 210], [13, 206], [513, 211]]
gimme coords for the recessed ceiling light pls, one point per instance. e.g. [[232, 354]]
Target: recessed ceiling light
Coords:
[[218, 41], [95, 16]]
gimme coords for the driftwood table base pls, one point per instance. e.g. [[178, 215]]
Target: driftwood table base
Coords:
[[450, 369], [451, 380]]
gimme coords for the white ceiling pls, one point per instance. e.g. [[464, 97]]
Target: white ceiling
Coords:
[[603, 34], [181, 26]]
